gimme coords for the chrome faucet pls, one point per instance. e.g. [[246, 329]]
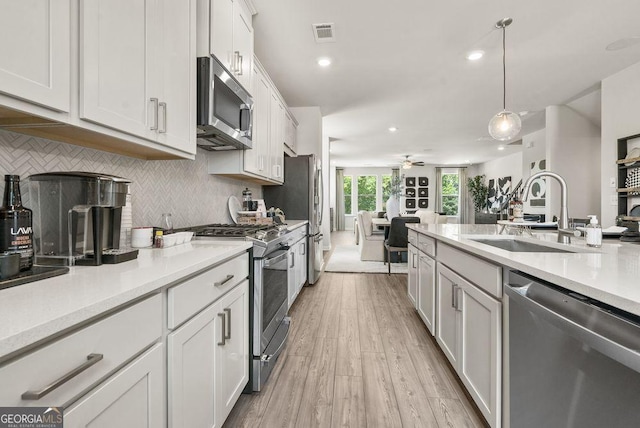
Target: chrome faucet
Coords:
[[564, 233]]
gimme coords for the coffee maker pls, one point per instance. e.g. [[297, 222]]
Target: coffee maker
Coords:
[[77, 217]]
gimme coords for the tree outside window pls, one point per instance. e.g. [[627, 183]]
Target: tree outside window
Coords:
[[348, 192], [367, 192], [386, 187], [450, 193]]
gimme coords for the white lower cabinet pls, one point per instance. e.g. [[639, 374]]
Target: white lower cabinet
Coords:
[[412, 278], [208, 362], [426, 302], [132, 398], [297, 270], [469, 333]]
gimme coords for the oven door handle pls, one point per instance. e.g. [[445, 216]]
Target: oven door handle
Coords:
[[281, 255]]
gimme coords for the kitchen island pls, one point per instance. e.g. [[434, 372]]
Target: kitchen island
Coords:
[[457, 276], [610, 274]]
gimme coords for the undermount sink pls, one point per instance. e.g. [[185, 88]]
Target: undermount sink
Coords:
[[520, 246]]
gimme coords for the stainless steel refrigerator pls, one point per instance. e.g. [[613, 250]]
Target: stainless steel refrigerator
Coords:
[[300, 197]]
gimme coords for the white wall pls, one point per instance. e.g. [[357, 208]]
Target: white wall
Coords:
[[620, 118], [506, 166], [573, 152]]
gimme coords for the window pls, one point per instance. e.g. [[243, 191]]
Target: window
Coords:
[[386, 188], [348, 192], [367, 185], [450, 193]]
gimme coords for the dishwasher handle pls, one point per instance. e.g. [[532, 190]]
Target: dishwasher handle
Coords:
[[600, 342]]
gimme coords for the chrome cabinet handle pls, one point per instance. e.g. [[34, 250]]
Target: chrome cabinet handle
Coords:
[[236, 60], [154, 101], [240, 67], [303, 249], [454, 296], [36, 395], [228, 311], [293, 260], [163, 106], [224, 332], [224, 281], [458, 300]]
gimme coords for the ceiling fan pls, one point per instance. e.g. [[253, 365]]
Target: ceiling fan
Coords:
[[406, 164]]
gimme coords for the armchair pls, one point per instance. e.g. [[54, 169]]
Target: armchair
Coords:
[[371, 244]]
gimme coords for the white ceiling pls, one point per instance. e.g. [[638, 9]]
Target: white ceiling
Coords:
[[402, 63]]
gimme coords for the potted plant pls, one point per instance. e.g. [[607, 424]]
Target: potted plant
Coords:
[[478, 191], [393, 203]]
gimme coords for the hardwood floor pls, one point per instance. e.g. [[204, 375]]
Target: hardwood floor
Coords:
[[358, 356]]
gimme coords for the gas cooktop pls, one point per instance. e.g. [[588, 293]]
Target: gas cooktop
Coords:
[[229, 230]]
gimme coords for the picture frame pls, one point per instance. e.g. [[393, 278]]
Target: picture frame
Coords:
[[423, 203], [410, 203], [423, 181], [410, 181], [423, 192]]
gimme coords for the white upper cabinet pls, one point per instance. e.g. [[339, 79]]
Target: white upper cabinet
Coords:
[[256, 159], [35, 51], [137, 69], [276, 148], [232, 38]]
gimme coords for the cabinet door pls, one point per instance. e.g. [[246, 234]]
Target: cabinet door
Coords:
[[427, 291], [302, 264], [133, 397], [412, 277], [191, 378], [256, 159], [232, 363], [221, 30], [292, 285], [118, 65], [480, 356], [242, 43], [35, 51], [447, 320], [177, 112]]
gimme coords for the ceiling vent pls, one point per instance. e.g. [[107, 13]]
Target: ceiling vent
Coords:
[[324, 33]]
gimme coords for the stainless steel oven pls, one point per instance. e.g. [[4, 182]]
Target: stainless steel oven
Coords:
[[271, 324]]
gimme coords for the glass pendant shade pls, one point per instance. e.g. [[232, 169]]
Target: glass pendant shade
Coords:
[[505, 125]]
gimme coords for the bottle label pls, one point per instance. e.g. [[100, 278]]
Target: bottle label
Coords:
[[16, 236]]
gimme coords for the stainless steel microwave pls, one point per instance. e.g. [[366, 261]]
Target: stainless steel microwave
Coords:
[[225, 108]]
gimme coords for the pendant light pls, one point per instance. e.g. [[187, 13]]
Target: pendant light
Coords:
[[505, 125]]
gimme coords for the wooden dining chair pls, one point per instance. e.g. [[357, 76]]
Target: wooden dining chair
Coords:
[[397, 240]]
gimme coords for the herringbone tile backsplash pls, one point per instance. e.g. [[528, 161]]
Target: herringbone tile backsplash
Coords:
[[180, 187]]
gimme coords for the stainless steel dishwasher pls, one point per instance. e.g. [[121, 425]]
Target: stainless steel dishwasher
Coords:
[[570, 361]]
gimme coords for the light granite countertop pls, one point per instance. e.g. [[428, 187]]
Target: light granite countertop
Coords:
[[32, 312], [294, 224], [610, 274]]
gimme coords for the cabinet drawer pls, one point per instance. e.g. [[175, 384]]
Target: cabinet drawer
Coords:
[[297, 234], [427, 245], [485, 275], [413, 238], [198, 292], [116, 338]]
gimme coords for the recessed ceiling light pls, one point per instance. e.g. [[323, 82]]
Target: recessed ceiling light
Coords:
[[324, 62], [500, 147], [623, 43], [392, 129], [475, 55]]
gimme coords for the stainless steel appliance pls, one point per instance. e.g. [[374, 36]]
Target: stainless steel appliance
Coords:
[[300, 197], [269, 300], [570, 361], [224, 118], [77, 218]]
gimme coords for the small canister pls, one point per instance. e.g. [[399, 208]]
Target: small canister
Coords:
[[246, 199]]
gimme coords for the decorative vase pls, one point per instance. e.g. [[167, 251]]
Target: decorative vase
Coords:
[[393, 207]]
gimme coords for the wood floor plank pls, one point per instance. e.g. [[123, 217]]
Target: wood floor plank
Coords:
[[433, 373], [285, 402], [303, 341], [349, 296], [381, 406], [370, 339], [450, 413], [412, 401], [348, 403], [330, 320], [349, 361], [317, 397]]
